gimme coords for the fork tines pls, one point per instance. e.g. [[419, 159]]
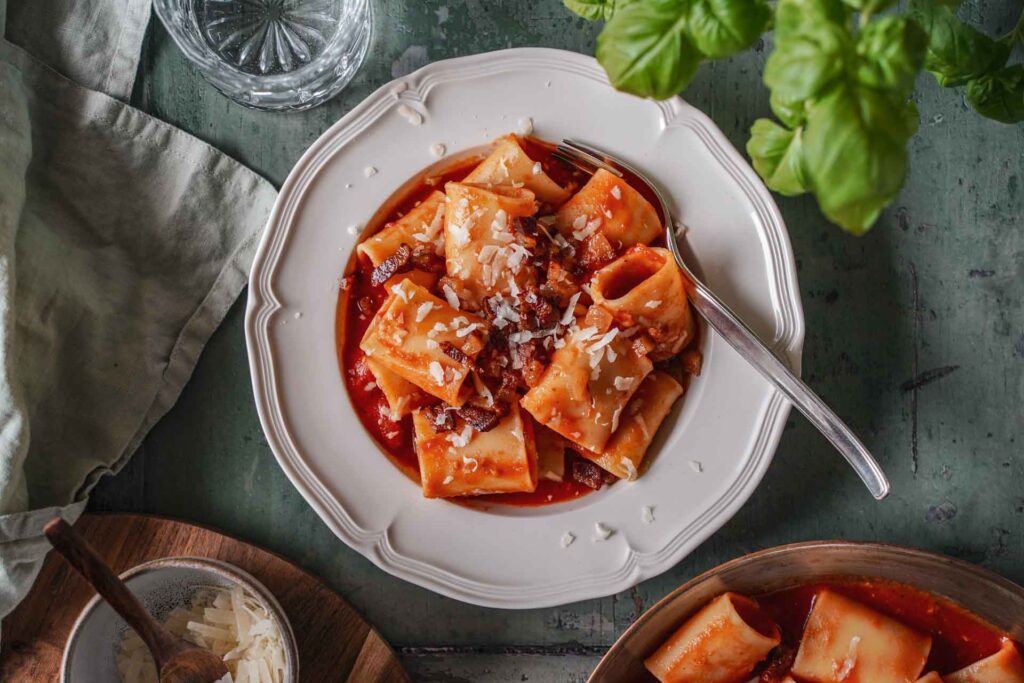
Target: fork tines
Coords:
[[585, 158]]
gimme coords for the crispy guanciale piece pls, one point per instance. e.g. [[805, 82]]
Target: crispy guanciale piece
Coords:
[[480, 419], [399, 262], [535, 310], [587, 473], [644, 287], [455, 353], [722, 643], [440, 417], [609, 205], [596, 252]]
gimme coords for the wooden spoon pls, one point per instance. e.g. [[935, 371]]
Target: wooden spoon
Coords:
[[177, 660]]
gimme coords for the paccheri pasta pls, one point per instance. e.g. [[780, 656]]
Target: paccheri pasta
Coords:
[[514, 328], [842, 631]]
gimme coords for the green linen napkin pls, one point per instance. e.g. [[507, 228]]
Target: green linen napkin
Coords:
[[123, 242]]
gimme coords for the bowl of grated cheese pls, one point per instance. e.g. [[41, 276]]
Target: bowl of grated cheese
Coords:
[[207, 602]]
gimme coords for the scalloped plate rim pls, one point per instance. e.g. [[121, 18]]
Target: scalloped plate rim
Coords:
[[375, 545]]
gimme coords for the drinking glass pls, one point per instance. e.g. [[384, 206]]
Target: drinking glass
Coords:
[[279, 55]]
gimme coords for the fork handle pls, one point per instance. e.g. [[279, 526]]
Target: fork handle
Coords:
[[741, 338]]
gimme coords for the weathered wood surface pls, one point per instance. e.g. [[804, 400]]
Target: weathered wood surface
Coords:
[[915, 333], [334, 642]]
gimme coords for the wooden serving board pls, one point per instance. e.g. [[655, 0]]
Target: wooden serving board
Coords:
[[335, 643]]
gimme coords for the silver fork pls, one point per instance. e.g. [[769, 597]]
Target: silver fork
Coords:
[[738, 335]]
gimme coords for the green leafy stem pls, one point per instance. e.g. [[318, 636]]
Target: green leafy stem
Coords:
[[840, 75]]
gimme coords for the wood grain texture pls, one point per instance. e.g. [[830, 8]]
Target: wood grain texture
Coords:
[[335, 643], [935, 285]]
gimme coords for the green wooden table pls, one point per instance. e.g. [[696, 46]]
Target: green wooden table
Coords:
[[915, 333]]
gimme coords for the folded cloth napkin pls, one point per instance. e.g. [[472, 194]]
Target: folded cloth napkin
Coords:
[[123, 242]]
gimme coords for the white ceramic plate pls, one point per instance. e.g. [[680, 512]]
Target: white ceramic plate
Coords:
[[729, 421]]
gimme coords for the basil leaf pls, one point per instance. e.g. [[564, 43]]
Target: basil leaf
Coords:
[[891, 51], [957, 52], [791, 15], [870, 6], [791, 112], [855, 152], [720, 28], [595, 9], [645, 49], [999, 95], [804, 63], [777, 155]]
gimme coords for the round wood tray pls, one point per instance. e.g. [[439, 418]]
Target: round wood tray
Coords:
[[335, 642]]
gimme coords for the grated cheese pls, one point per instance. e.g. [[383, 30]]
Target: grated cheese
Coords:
[[602, 531], [647, 514], [588, 230], [616, 192], [438, 150], [567, 316], [615, 418], [461, 439], [567, 538], [605, 340], [653, 304], [460, 233], [400, 292], [227, 621], [449, 294], [369, 171], [436, 372], [423, 310], [537, 168], [465, 331]]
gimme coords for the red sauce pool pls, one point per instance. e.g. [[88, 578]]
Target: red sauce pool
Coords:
[[959, 638], [350, 324]]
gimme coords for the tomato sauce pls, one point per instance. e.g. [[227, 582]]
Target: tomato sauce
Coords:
[[396, 440], [959, 638]]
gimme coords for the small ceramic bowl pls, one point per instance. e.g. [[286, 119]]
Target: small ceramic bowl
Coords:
[[90, 655]]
